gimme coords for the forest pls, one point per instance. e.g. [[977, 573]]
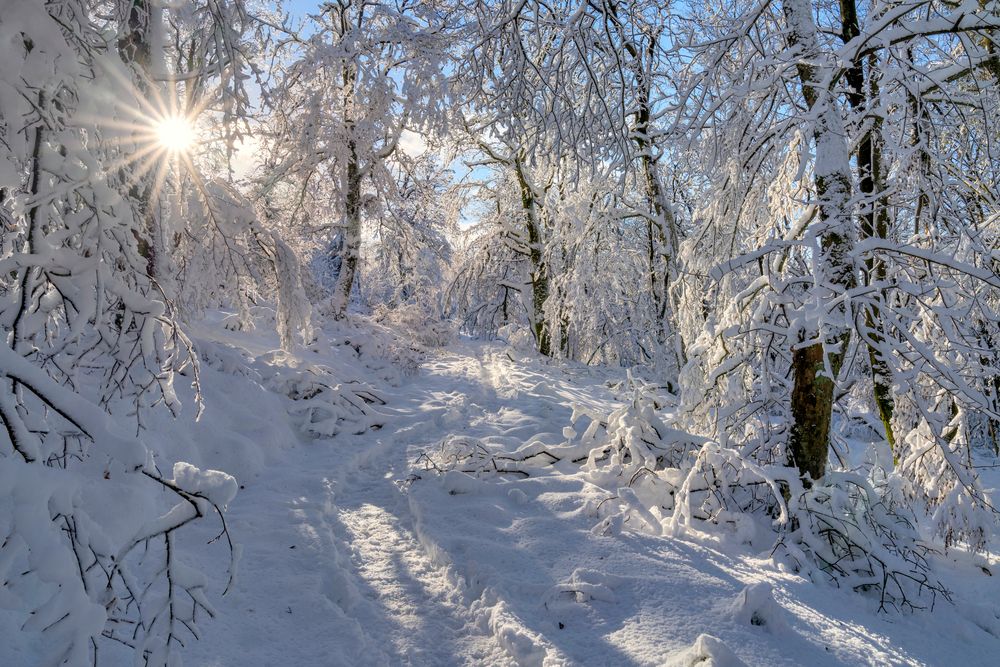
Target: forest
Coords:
[[499, 332]]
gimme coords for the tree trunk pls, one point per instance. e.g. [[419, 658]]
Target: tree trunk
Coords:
[[135, 49], [661, 229], [539, 272], [352, 234], [874, 216], [812, 403], [353, 177], [816, 363]]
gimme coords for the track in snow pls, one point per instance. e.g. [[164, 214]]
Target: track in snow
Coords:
[[343, 567], [410, 597], [403, 598], [333, 571]]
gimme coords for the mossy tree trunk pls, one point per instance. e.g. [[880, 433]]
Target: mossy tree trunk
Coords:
[[817, 359], [874, 213]]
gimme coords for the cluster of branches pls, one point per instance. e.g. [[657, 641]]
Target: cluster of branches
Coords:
[[844, 259], [89, 323]]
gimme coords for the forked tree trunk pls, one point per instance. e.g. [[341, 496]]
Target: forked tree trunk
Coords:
[[816, 363]]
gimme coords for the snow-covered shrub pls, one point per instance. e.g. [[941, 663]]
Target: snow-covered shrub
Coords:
[[840, 529], [937, 475], [851, 537], [636, 439], [843, 529], [470, 456], [518, 336], [414, 321], [322, 404], [634, 455], [386, 354]]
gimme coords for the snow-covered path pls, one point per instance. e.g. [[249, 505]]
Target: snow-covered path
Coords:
[[349, 559], [332, 572]]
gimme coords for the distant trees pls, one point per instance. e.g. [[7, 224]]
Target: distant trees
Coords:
[[346, 87], [564, 94]]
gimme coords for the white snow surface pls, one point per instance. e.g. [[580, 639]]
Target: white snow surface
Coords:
[[352, 553]]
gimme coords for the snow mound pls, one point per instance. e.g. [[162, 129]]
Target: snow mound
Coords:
[[707, 651], [755, 605], [527, 647], [585, 585], [219, 487]]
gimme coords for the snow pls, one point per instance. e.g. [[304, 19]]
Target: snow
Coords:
[[707, 651], [216, 486], [353, 551]]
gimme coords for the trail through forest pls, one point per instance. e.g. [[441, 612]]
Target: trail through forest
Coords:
[[355, 554], [336, 559]]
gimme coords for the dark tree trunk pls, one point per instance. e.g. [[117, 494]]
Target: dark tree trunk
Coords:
[[816, 363], [134, 49], [812, 398]]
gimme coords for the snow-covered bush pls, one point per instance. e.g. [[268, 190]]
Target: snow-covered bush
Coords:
[[322, 404], [841, 530], [414, 321], [470, 456], [851, 537], [636, 439], [387, 354], [517, 335]]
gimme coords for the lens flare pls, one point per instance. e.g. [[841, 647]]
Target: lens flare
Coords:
[[175, 134]]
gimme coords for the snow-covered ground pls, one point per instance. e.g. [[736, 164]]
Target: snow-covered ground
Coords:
[[356, 551]]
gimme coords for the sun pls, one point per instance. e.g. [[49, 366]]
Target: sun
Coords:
[[175, 134]]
